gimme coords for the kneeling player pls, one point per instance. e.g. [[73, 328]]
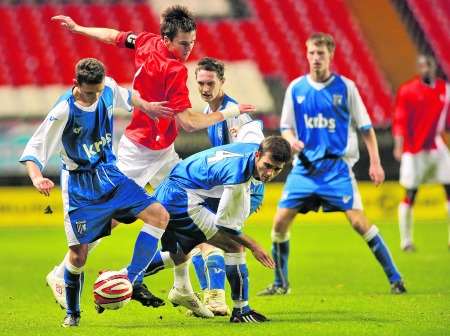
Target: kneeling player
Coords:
[[94, 190], [208, 260], [220, 175]]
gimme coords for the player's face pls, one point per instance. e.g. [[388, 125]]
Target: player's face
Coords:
[[265, 168], [426, 67], [89, 93], [182, 44], [209, 85], [319, 57]]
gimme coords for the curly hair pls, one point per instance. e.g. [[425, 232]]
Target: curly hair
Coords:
[[89, 71]]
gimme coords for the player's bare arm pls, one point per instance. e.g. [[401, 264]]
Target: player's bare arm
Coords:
[[445, 134], [106, 35], [398, 147], [192, 121], [296, 145], [41, 183], [258, 252], [376, 171], [152, 109]]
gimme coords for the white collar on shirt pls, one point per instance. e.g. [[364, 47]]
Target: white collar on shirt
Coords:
[[319, 85]]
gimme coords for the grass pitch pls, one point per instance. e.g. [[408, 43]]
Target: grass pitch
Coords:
[[337, 286]]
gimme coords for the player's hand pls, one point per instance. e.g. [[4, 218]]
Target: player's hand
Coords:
[[262, 256], [157, 109], [247, 108], [397, 152], [43, 185], [234, 132], [66, 21], [297, 146], [376, 173]]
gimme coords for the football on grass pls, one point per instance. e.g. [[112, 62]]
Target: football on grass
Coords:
[[112, 290]]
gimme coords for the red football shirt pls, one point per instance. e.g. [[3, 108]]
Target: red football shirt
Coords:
[[159, 77], [421, 112]]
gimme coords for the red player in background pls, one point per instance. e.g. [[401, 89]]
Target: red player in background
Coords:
[[421, 120]]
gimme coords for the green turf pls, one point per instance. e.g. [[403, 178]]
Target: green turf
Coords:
[[337, 286]]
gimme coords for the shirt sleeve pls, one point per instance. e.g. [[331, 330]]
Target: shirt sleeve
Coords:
[[46, 141], [250, 132], [126, 40], [177, 93], [357, 108], [122, 96], [287, 120], [234, 207]]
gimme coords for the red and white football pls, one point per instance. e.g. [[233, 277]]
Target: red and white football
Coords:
[[112, 290]]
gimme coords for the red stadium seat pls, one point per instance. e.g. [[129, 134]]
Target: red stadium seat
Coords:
[[434, 18], [273, 37]]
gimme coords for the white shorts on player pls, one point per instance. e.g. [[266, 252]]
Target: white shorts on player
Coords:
[[144, 165], [432, 166]]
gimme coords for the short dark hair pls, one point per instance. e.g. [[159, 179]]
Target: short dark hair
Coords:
[[89, 71], [176, 18], [211, 64], [279, 148]]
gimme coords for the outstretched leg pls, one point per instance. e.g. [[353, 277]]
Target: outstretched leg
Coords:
[[155, 219], [378, 247]]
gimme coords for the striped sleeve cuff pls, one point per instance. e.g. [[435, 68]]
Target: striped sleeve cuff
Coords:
[[23, 159], [365, 128]]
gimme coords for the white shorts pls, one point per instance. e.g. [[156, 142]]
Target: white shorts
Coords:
[[145, 165], [431, 166]]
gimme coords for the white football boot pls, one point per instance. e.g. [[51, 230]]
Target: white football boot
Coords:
[[58, 288], [190, 301], [214, 300]]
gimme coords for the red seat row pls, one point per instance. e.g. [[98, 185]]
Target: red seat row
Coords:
[[34, 51], [434, 18]]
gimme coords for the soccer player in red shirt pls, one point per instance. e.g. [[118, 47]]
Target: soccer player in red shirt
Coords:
[[146, 151], [421, 117]]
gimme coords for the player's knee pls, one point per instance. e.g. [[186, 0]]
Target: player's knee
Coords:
[[78, 255], [281, 223], [157, 215], [163, 217], [210, 250], [359, 222]]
